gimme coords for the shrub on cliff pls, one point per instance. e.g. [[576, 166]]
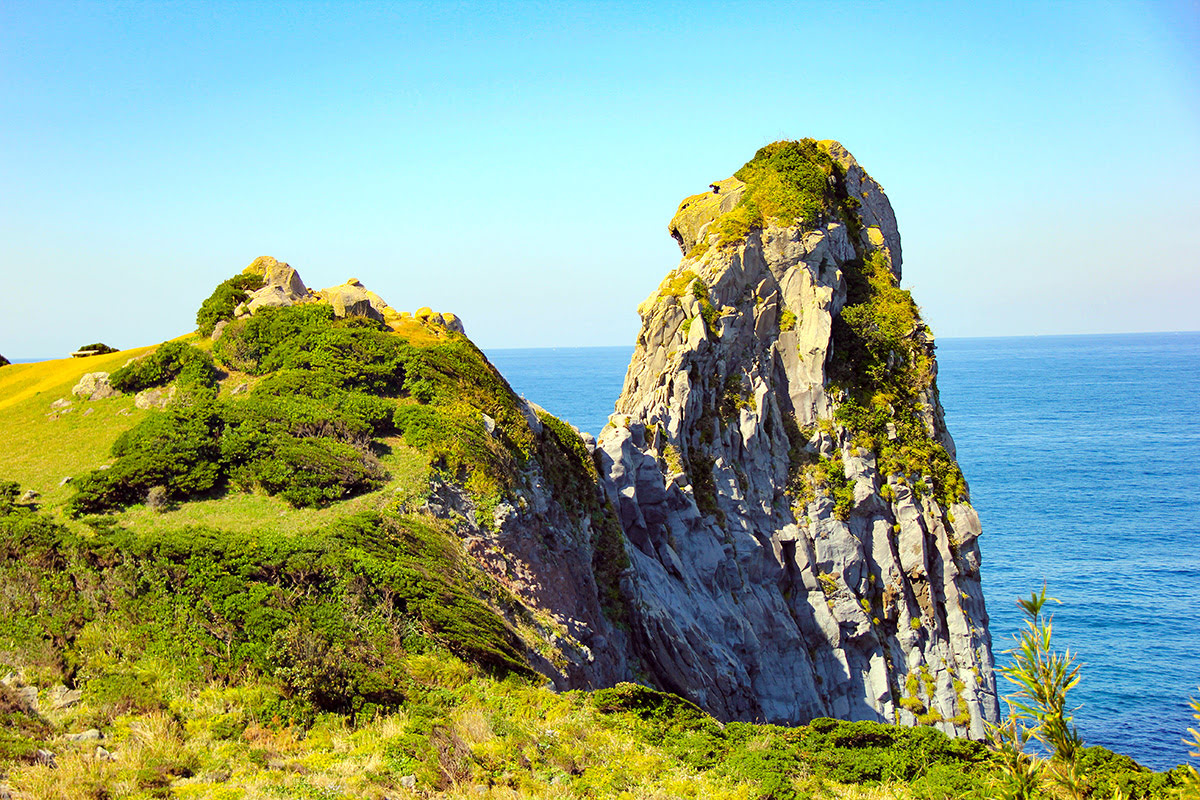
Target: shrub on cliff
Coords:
[[4, 362], [354, 353], [224, 300], [171, 361]]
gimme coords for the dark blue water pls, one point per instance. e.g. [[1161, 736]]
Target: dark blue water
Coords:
[[1083, 456]]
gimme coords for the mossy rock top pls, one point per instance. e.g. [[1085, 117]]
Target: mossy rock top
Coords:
[[696, 213], [786, 183]]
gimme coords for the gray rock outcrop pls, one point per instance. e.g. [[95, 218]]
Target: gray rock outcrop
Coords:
[[352, 299], [159, 397], [281, 286], [94, 386], [783, 566]]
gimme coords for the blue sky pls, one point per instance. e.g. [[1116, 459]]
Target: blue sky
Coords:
[[518, 163]]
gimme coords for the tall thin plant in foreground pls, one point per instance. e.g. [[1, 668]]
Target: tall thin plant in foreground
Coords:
[[1038, 709], [1191, 780]]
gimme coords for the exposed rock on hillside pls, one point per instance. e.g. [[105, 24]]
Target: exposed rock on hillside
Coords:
[[281, 286], [802, 541], [94, 386]]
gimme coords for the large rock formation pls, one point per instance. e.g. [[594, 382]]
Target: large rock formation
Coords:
[[802, 544]]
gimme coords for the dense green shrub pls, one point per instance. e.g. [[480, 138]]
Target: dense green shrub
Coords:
[[327, 615], [355, 353], [171, 361], [9, 492], [4, 362], [313, 471], [178, 449], [224, 300], [98, 348]]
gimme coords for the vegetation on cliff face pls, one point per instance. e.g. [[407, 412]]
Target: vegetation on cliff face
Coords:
[[882, 359]]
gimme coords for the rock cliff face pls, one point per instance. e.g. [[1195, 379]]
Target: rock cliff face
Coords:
[[801, 540]]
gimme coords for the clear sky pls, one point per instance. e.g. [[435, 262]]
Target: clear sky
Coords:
[[517, 164]]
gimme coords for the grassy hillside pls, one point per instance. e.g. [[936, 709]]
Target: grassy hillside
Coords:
[[41, 445]]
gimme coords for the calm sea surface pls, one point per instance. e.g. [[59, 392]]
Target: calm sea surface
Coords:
[[1083, 456]]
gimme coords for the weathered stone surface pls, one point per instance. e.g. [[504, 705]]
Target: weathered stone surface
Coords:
[[750, 607], [281, 286], [94, 386], [62, 697], [351, 299], [154, 398], [61, 402], [90, 735]]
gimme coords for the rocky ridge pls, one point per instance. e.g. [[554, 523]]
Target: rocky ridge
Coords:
[[282, 286], [788, 560]]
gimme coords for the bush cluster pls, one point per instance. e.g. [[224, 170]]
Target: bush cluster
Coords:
[[171, 361], [224, 300], [98, 348], [306, 432], [881, 357], [309, 451]]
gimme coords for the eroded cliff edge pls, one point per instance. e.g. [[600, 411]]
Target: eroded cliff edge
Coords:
[[801, 539]]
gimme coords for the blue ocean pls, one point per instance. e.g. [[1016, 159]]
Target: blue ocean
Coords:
[[1083, 457]]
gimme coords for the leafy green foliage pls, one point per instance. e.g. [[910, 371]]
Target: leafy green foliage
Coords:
[[171, 361], [707, 310], [1038, 710], [881, 358], [312, 471], [326, 615], [178, 449], [305, 432], [224, 300], [353, 353], [9, 492], [773, 759], [704, 486], [1042, 677]]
